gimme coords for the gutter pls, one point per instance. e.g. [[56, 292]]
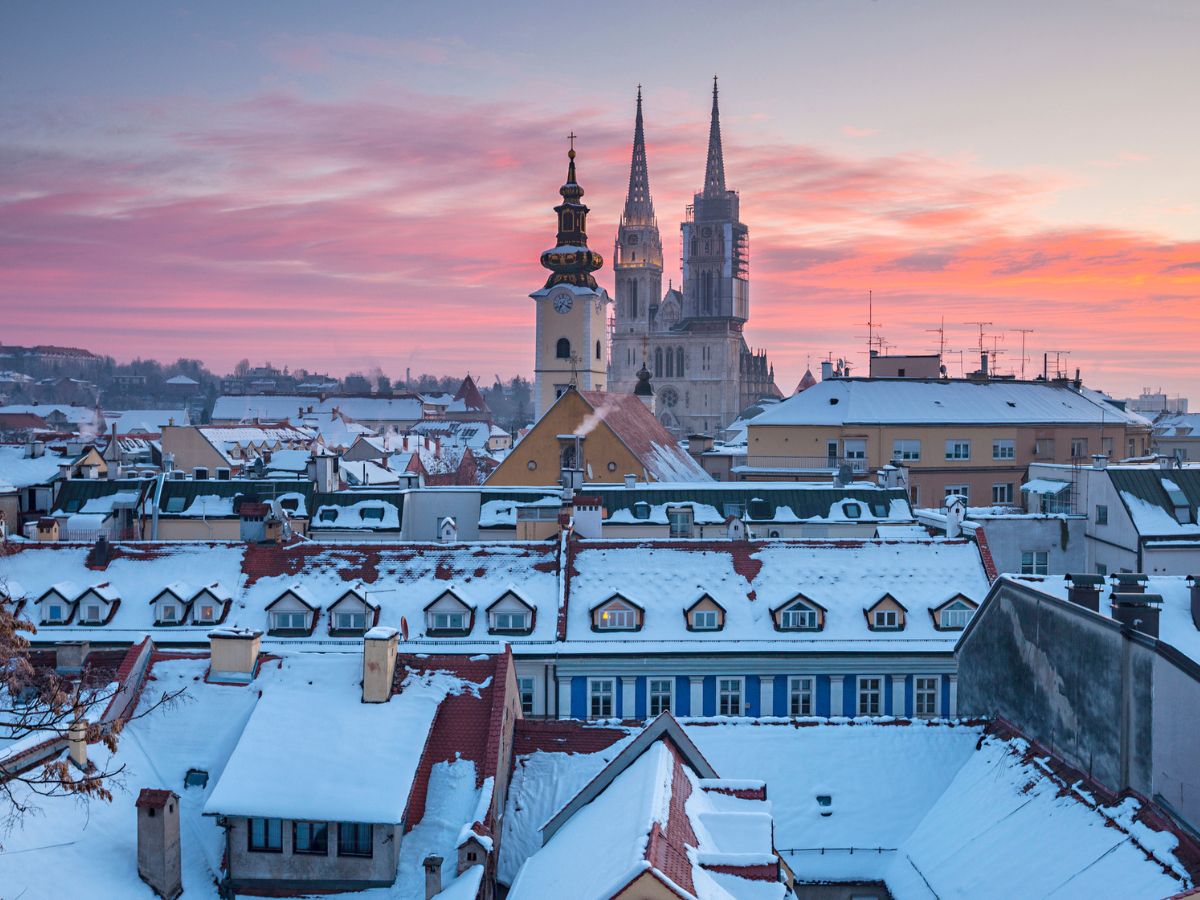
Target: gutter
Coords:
[[162, 477]]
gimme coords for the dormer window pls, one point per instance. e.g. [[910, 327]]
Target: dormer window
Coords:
[[350, 621], [170, 613], [287, 621], [955, 616], [448, 615], [54, 613], [886, 618], [799, 614], [887, 614], [91, 612], [617, 614], [448, 621], [510, 614], [510, 621], [680, 519], [206, 613], [704, 620]]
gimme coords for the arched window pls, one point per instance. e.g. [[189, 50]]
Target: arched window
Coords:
[[597, 349], [658, 362], [563, 349], [670, 363], [679, 362]]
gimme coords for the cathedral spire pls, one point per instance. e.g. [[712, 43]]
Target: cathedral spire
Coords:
[[569, 260], [714, 173], [639, 207]]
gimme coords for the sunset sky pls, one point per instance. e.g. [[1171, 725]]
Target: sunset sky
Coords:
[[343, 186]]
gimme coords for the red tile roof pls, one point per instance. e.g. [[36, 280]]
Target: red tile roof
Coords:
[[562, 736], [637, 428], [151, 798]]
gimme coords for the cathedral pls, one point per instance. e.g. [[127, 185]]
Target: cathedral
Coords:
[[690, 338]]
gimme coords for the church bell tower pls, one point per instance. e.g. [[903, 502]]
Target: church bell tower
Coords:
[[572, 310]]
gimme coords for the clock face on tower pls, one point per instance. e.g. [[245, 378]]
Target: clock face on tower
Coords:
[[562, 301]]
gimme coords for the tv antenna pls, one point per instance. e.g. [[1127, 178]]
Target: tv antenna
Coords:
[[980, 325], [940, 331], [1024, 358]]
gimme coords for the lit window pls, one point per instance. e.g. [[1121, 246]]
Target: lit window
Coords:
[[265, 836], [925, 691], [206, 613], [870, 696], [660, 690], [801, 697], [729, 696], [1035, 562], [617, 617], [887, 618], [704, 620], [957, 448], [310, 837], [1004, 449], [601, 695]]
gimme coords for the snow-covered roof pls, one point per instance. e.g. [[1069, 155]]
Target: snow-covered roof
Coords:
[[315, 703], [147, 421], [911, 401], [1161, 502], [278, 407], [22, 471], [943, 801], [749, 579], [76, 415]]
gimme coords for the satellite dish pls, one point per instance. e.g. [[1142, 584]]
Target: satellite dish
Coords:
[[404, 628]]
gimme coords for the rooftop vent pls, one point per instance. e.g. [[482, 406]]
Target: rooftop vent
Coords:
[[1139, 611]]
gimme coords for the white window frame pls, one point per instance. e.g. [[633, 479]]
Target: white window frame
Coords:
[[283, 620], [1079, 447], [526, 687], [880, 616], [513, 620], [906, 449], [710, 621], [210, 616], [654, 697], [91, 613], [620, 618], [802, 695], [443, 621], [1004, 448], [798, 618], [344, 621], [170, 613], [869, 687], [961, 612], [958, 449], [680, 521], [602, 690], [925, 695], [1035, 562], [730, 688], [54, 613], [1002, 492]]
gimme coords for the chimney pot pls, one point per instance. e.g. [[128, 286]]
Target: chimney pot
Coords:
[[379, 663], [1139, 611], [77, 744], [233, 654], [433, 876]]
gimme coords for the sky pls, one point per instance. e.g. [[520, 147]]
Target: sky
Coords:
[[344, 186]]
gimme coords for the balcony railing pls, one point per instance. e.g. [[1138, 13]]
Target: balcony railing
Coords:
[[807, 463]]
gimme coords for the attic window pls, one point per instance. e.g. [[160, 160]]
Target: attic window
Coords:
[[852, 510], [174, 504], [1010, 403], [641, 510], [833, 401], [825, 804], [328, 515], [195, 778], [704, 620], [291, 504], [372, 512]]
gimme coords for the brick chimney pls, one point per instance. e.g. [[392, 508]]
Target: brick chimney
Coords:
[[1129, 583], [379, 663], [1084, 590], [158, 852], [1138, 610], [233, 654], [433, 876]]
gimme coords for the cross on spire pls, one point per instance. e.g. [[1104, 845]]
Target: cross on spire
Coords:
[[571, 137]]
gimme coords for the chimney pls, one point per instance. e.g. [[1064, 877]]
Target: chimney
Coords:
[[200, 473], [1100, 461], [1138, 611], [233, 654], [433, 876], [69, 656], [1084, 590], [36, 449], [1129, 583], [630, 482], [158, 848], [983, 364], [699, 444], [826, 370], [379, 663], [1193, 582], [77, 744]]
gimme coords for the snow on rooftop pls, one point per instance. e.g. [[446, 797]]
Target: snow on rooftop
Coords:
[[913, 401], [21, 471], [314, 701]]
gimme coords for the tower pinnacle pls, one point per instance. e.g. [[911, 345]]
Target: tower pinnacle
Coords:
[[639, 207], [714, 173], [569, 260]]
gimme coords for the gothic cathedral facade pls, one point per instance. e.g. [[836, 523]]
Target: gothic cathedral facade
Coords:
[[572, 310], [691, 338]]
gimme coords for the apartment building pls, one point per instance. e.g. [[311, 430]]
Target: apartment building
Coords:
[[975, 437]]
